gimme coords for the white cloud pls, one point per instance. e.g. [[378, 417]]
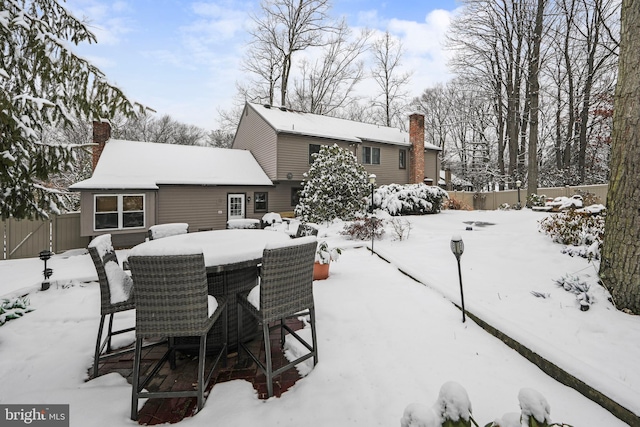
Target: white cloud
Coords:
[[104, 20]]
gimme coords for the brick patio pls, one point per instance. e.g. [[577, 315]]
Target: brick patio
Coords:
[[173, 410]]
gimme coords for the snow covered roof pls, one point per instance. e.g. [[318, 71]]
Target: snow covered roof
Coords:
[[145, 165], [284, 120]]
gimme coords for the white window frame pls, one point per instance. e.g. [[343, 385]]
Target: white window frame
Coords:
[[370, 150], [120, 211]]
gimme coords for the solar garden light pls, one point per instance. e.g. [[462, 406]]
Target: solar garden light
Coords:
[[47, 272], [372, 181], [518, 185], [457, 247]]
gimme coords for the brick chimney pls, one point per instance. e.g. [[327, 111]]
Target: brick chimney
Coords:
[[101, 134], [416, 137]]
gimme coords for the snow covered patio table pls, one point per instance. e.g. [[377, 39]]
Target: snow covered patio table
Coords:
[[231, 257]]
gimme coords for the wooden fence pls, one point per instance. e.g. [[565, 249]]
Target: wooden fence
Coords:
[[25, 239], [493, 200]]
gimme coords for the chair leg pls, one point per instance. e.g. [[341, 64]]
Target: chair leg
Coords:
[[225, 336], [314, 339], [201, 362], [282, 333], [239, 330], [135, 383], [172, 353], [109, 333], [269, 364], [96, 356]]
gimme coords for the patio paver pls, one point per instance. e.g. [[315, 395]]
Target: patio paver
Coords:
[[173, 410]]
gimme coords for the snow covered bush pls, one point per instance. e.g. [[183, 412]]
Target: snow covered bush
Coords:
[[576, 229], [409, 199], [363, 228], [336, 186], [504, 207], [13, 309], [536, 200], [325, 254], [579, 287], [455, 204], [401, 228]]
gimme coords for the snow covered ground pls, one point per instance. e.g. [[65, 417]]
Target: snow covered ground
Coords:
[[385, 340]]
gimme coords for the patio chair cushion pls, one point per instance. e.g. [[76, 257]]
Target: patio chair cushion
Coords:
[[159, 231], [120, 283]]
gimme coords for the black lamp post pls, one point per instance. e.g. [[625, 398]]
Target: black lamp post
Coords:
[[47, 272], [518, 185], [457, 247], [372, 181]]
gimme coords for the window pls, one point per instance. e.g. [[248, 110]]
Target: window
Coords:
[[295, 195], [313, 149], [119, 211], [260, 202], [370, 156], [402, 160]]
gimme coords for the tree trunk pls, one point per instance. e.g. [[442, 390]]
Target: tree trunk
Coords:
[[534, 87], [620, 264]]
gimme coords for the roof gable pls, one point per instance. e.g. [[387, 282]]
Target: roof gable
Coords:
[[283, 120], [145, 165]]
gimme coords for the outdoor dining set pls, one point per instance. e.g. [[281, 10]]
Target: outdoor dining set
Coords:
[[206, 294]]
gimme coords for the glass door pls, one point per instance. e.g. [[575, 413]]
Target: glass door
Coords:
[[235, 206]]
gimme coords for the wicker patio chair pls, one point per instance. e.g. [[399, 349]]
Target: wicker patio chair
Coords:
[[285, 291], [172, 301], [116, 295], [159, 231], [306, 230]]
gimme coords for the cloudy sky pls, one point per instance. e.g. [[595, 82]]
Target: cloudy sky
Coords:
[[182, 57]]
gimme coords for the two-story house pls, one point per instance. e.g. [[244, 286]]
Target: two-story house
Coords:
[[283, 141], [139, 184]]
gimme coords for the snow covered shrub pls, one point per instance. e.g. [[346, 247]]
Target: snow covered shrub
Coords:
[[362, 228], [455, 204], [401, 228], [575, 285], [324, 254], [409, 199], [13, 309], [536, 200], [336, 186], [588, 199], [576, 229], [504, 207]]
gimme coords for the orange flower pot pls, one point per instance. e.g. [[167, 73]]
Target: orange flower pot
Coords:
[[320, 271]]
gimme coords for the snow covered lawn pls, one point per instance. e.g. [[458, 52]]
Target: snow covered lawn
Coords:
[[385, 341]]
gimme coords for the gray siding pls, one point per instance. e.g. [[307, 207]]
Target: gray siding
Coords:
[[87, 209], [259, 137], [388, 171], [204, 207], [293, 157], [432, 165]]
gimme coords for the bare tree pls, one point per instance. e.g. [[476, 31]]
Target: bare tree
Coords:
[[534, 98], [326, 85], [391, 81], [619, 267], [164, 130], [281, 29]]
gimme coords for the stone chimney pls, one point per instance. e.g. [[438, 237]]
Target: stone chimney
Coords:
[[416, 137], [101, 134]]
